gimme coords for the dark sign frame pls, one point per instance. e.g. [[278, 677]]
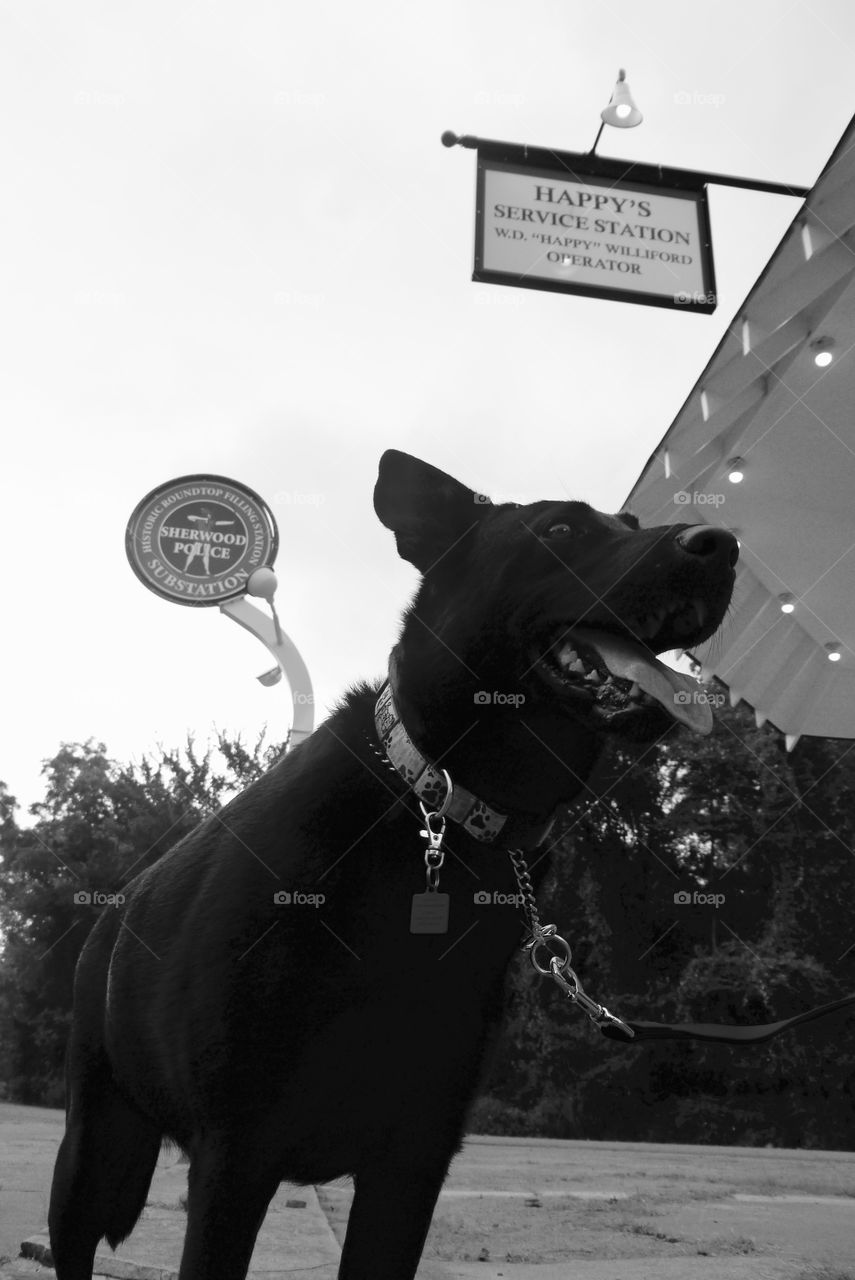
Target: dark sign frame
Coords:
[[705, 304]]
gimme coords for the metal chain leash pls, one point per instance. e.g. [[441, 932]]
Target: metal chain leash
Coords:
[[434, 919], [526, 889], [559, 967]]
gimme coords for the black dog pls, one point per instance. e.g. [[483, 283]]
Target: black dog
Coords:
[[304, 1042]]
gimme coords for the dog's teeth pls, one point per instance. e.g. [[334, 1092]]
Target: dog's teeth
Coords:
[[566, 654], [578, 665], [593, 677], [635, 692]]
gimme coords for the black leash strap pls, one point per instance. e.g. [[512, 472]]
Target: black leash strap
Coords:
[[718, 1033], [623, 1029]]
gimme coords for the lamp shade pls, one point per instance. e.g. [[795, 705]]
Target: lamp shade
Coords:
[[621, 112]]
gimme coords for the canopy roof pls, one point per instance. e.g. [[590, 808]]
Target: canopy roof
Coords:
[[763, 399]]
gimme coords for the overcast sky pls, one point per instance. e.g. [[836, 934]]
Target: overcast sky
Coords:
[[234, 244]]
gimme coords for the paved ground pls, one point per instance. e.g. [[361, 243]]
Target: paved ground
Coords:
[[513, 1209]]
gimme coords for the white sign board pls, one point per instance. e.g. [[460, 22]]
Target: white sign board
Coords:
[[574, 233]]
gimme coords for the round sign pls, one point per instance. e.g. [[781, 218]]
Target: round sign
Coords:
[[196, 540]]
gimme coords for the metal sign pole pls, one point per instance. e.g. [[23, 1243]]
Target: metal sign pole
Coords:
[[290, 663]]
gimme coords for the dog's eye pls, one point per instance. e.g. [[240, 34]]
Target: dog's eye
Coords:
[[561, 530]]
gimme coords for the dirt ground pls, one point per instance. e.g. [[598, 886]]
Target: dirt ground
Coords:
[[514, 1200], [510, 1200], [29, 1138]]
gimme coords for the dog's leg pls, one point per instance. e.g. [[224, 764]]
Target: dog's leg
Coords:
[[389, 1219], [230, 1184], [102, 1176]]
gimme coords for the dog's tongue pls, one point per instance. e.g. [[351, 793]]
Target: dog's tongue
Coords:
[[677, 693]]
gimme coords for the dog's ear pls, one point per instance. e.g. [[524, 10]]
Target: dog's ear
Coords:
[[428, 511]]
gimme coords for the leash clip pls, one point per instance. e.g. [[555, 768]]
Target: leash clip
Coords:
[[568, 981], [559, 966], [434, 834]]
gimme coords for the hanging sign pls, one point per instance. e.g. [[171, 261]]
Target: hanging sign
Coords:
[[570, 232], [197, 539]]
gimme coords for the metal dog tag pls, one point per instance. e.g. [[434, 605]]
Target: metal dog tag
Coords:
[[429, 913]]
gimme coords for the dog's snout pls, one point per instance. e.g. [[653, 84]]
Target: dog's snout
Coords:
[[711, 545]]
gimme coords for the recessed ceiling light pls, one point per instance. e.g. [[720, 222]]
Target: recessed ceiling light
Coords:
[[823, 351]]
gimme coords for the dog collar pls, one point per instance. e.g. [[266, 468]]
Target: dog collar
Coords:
[[478, 818]]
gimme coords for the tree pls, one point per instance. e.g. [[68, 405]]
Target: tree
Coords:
[[99, 824], [770, 836]]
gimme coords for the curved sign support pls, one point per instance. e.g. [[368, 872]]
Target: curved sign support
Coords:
[[290, 663], [204, 540]]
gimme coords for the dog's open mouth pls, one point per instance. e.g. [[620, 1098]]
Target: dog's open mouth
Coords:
[[610, 677]]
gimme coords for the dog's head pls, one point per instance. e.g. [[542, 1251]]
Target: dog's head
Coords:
[[552, 612]]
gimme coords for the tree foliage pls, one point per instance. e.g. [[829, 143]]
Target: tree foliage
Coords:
[[731, 816], [761, 843], [99, 824]]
